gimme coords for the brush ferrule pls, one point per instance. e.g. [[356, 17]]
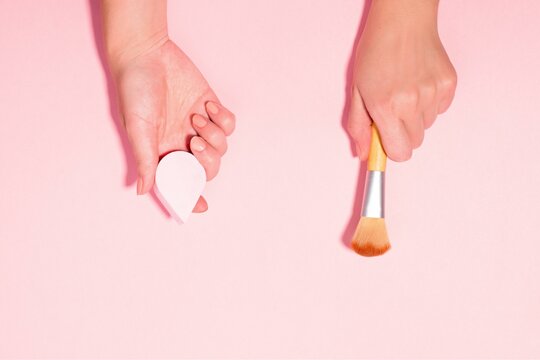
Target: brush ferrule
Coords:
[[374, 195]]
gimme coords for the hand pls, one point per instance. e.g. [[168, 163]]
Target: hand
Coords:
[[167, 105], [402, 77]]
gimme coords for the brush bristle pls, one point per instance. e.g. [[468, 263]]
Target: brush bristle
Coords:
[[371, 238]]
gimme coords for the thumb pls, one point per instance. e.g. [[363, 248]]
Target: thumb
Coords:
[[142, 135], [359, 125]]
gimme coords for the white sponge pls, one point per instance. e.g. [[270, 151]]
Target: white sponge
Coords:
[[179, 183]]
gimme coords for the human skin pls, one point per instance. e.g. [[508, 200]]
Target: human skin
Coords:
[[165, 102], [402, 77]]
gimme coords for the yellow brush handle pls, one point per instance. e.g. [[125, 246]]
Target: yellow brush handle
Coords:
[[377, 156]]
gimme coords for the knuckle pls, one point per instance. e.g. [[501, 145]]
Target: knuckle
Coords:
[[229, 123], [222, 148], [214, 159], [449, 81], [212, 169], [428, 89], [232, 117], [406, 100], [216, 138], [407, 96]]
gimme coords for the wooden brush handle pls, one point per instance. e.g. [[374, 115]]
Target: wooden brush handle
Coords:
[[377, 156]]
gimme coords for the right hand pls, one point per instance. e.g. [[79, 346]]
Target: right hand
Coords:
[[403, 77]]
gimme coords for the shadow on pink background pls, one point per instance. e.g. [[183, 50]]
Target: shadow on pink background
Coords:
[[88, 269], [359, 195]]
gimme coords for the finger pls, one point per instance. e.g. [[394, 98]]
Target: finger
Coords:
[[445, 102], [447, 91], [394, 136], [406, 104], [415, 130], [221, 116], [211, 133], [206, 155], [430, 115], [200, 206], [427, 112], [359, 125], [142, 135]]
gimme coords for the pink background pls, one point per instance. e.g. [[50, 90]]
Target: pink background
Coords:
[[88, 269]]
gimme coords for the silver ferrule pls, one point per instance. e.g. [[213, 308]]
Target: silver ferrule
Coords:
[[374, 195]]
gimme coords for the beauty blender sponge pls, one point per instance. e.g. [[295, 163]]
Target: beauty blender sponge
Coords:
[[179, 183]]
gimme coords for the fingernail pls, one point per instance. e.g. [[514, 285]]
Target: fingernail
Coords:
[[212, 108], [199, 121], [197, 144], [139, 186]]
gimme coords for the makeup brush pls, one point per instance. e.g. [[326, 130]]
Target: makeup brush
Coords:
[[370, 237]]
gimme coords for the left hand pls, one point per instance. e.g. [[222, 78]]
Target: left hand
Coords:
[[167, 105]]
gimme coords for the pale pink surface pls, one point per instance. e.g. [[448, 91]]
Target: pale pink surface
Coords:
[[88, 269]]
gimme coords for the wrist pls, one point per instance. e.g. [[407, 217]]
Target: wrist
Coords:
[[132, 28], [124, 50], [404, 14]]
